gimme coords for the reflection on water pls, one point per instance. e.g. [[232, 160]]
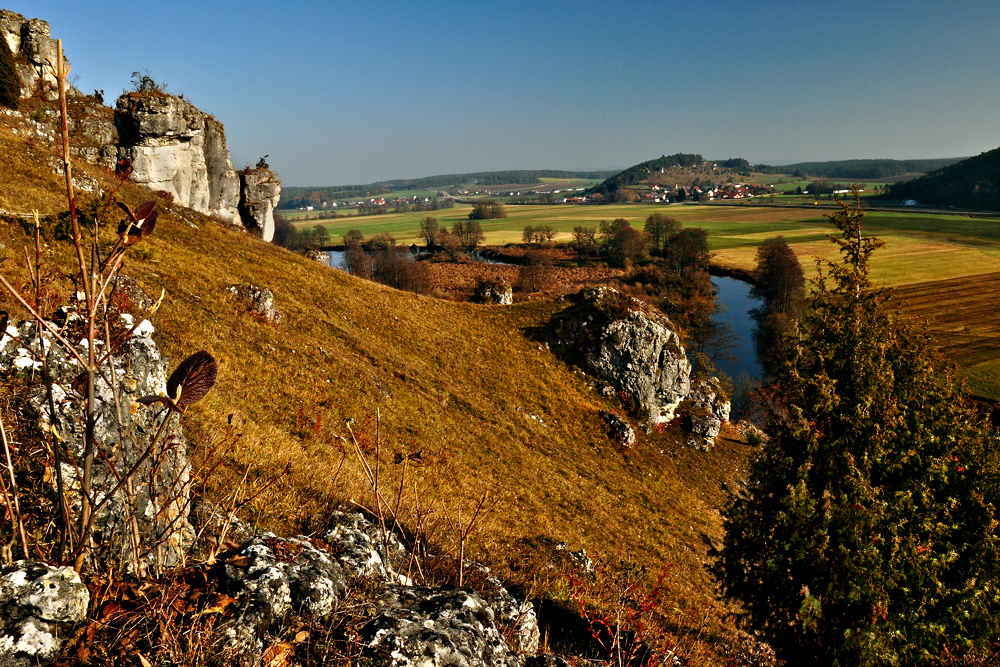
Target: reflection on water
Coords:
[[336, 258], [735, 296]]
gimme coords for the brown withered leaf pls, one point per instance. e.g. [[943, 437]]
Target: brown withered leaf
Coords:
[[193, 379], [149, 223], [145, 208], [277, 655], [4, 318], [124, 207], [397, 458]]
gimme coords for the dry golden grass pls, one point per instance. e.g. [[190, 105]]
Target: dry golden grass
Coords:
[[468, 385]]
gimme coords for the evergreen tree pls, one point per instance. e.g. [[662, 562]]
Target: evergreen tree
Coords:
[[865, 534], [10, 80]]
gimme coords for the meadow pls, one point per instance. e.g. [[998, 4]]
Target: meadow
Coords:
[[944, 266]]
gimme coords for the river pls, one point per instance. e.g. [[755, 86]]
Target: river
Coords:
[[735, 296]]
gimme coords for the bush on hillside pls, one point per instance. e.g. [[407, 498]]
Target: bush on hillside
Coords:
[[10, 80], [865, 534]]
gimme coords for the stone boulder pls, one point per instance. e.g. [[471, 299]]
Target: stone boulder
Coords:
[[39, 607], [631, 346], [34, 51], [176, 148], [157, 503], [272, 578], [494, 291], [434, 627], [258, 301], [260, 192], [618, 429], [707, 409], [317, 256]]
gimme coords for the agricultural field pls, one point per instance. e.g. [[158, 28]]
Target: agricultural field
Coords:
[[944, 266]]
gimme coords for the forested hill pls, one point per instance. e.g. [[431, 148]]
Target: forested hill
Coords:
[[640, 172], [858, 169], [292, 196], [972, 183]]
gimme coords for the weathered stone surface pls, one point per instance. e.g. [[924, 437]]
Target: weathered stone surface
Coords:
[[257, 300], [271, 578], [580, 558], [434, 627], [30, 42], [708, 409], [631, 346], [156, 501], [318, 256], [494, 291], [176, 148], [618, 429], [39, 606], [260, 192]]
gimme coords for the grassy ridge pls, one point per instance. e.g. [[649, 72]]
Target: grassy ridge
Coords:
[[471, 387]]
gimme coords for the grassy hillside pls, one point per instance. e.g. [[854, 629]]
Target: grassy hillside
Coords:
[[473, 388]]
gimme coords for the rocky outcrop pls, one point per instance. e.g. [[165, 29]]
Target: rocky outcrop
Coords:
[[35, 53], [276, 583], [494, 291], [707, 409], [39, 606], [629, 345], [434, 627], [260, 191], [618, 429], [178, 149], [258, 301], [317, 256], [154, 505]]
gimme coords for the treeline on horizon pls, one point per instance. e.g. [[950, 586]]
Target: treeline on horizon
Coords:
[[295, 196], [858, 169]]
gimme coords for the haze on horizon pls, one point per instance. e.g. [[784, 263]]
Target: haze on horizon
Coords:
[[338, 93]]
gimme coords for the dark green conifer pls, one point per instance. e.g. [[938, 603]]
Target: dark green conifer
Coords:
[[10, 80], [866, 533]]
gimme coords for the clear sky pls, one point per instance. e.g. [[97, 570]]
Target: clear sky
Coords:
[[352, 92]]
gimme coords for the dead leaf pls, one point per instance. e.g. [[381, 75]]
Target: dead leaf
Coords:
[[301, 636], [277, 655], [144, 660]]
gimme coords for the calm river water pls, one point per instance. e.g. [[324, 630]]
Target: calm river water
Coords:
[[735, 296]]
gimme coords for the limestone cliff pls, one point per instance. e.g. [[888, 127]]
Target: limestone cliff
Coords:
[[34, 51], [260, 191], [176, 148]]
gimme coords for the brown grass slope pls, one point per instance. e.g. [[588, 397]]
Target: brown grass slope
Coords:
[[468, 385]]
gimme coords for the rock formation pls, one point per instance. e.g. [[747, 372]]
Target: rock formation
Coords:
[[629, 345], [260, 191], [35, 52], [494, 291], [176, 148], [39, 605], [173, 147], [155, 506], [708, 409]]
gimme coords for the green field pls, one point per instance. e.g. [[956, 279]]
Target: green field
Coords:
[[919, 247]]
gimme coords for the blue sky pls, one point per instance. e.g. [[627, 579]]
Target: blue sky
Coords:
[[353, 92]]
